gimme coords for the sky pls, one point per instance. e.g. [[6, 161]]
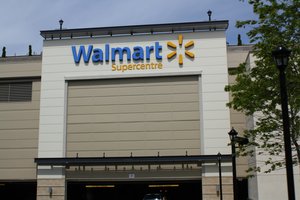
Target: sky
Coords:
[[22, 21]]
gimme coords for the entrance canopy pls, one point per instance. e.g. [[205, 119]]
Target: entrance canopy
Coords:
[[143, 160]]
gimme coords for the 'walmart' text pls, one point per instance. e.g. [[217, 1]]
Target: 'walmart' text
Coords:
[[109, 54]]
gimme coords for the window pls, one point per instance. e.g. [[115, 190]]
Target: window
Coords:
[[15, 91]]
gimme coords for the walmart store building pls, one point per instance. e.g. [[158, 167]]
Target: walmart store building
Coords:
[[119, 112]]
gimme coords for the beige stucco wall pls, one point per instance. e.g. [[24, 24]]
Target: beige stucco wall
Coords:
[[20, 67], [19, 121], [235, 56]]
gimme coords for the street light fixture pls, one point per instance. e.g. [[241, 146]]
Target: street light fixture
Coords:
[[209, 12], [60, 24], [241, 141], [281, 57]]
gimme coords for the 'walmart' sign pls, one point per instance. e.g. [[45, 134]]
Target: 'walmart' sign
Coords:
[[136, 53], [109, 54]]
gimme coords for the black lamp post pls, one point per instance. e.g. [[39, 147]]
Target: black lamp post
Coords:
[[220, 175], [241, 141], [60, 24], [209, 15], [281, 57], [232, 134]]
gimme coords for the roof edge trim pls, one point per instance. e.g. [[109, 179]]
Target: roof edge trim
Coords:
[[135, 30]]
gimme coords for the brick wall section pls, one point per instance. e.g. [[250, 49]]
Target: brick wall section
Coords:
[[58, 189], [209, 185]]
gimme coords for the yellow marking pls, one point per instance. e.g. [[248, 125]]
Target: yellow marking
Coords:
[[190, 43], [180, 39], [99, 186], [171, 44], [172, 54], [169, 185], [190, 54], [180, 61]]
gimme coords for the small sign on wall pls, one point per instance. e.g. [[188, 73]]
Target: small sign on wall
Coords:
[[131, 176]]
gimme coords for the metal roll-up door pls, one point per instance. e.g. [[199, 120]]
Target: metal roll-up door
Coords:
[[133, 116]]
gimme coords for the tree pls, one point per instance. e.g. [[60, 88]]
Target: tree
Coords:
[[239, 43], [29, 50], [256, 91], [3, 52]]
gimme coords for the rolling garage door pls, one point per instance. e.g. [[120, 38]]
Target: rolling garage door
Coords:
[[133, 116]]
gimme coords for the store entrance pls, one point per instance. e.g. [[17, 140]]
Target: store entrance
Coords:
[[179, 190], [18, 190]]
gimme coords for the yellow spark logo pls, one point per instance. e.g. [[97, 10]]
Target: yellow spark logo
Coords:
[[186, 46]]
